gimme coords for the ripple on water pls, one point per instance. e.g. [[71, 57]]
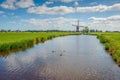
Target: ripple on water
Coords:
[[83, 58]]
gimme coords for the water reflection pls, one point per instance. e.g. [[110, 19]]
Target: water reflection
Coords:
[[83, 58], [8, 52]]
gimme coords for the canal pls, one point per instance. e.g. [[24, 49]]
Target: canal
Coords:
[[78, 57]]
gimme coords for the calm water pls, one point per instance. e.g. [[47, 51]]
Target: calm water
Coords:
[[80, 57]]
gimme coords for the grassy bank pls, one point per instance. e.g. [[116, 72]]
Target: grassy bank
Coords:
[[111, 41], [12, 41]]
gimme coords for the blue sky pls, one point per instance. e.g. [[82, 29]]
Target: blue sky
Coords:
[[59, 14]]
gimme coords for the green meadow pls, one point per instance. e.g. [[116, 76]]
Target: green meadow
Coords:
[[111, 40], [10, 41]]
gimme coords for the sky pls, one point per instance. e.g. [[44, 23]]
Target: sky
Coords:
[[59, 14]]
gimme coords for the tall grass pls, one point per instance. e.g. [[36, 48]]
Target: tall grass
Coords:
[[10, 41], [111, 41]]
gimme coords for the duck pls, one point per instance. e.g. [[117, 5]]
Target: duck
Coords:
[[61, 54]]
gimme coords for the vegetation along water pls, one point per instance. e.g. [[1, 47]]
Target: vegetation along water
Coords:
[[14, 41], [111, 40]]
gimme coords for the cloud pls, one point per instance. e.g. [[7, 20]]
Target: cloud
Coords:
[[51, 10], [2, 12], [15, 4], [66, 10], [47, 3], [25, 3], [76, 3], [99, 8], [114, 18], [59, 23], [32, 8], [114, 7], [93, 3], [43, 22], [111, 23], [65, 1], [111, 18], [97, 19], [9, 4]]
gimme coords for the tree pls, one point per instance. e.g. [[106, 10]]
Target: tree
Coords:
[[86, 30]]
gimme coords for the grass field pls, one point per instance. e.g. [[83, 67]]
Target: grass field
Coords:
[[111, 40], [20, 40]]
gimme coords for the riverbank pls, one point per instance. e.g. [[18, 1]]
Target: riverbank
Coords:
[[83, 58], [14, 41], [111, 40]]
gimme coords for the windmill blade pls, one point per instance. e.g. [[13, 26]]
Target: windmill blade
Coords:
[[81, 26], [77, 26], [74, 25]]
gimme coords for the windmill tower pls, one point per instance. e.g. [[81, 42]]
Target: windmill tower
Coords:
[[77, 26]]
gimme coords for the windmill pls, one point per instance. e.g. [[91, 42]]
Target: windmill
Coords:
[[77, 26]]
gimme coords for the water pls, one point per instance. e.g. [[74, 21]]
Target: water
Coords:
[[80, 57]]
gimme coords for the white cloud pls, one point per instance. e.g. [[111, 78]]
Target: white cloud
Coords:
[[59, 23], [25, 3], [14, 4], [114, 7], [2, 12], [46, 3], [50, 10], [65, 10], [111, 18], [9, 4], [114, 18], [65, 1], [97, 19], [109, 23], [99, 8], [76, 3]]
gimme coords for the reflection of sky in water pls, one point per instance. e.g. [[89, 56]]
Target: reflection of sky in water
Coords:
[[40, 51], [82, 57]]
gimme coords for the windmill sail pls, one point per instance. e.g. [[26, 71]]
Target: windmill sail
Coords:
[[77, 26]]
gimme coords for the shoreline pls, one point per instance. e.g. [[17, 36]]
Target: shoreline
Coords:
[[23, 44], [111, 44]]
